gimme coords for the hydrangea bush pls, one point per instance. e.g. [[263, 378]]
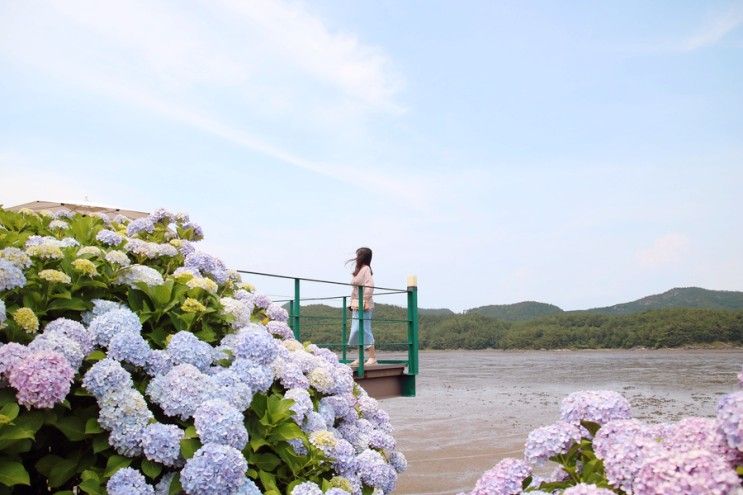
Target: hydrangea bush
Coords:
[[132, 363], [597, 448]]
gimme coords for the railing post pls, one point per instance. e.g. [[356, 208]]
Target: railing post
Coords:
[[291, 314], [295, 306], [344, 329], [412, 325], [360, 312]]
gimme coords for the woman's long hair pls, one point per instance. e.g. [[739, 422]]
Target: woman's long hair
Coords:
[[363, 257]]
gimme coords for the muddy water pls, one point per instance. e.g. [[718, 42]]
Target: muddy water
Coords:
[[476, 407]]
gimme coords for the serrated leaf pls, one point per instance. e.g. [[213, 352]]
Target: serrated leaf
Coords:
[[115, 462], [92, 426], [150, 469]]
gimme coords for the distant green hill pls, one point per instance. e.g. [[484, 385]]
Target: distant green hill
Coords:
[[435, 311], [680, 297], [527, 310]]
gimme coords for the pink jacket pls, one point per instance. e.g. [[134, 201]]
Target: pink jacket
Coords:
[[365, 278]]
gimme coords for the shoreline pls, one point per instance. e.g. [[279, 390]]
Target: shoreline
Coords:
[[721, 346]]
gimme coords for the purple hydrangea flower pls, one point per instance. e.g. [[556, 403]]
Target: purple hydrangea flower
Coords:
[[381, 440], [620, 430], [11, 277], [186, 348], [290, 375], [730, 418], [181, 390], [313, 422], [59, 343], [10, 354], [42, 379], [258, 378], [112, 322], [623, 460], [162, 443], [505, 478], [261, 301], [106, 377], [161, 214], [130, 347], [276, 313], [207, 264], [692, 472], [214, 469], [586, 489], [398, 461], [700, 433], [306, 488], [217, 421], [128, 481], [138, 225], [198, 232], [598, 406], [73, 330], [109, 237]]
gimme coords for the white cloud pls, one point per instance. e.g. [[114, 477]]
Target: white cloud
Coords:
[[715, 30], [667, 249], [267, 58]]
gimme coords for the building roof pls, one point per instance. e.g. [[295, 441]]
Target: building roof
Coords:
[[51, 206]]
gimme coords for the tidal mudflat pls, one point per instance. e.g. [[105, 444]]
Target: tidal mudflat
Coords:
[[476, 407]]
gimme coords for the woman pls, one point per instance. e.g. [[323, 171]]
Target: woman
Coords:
[[362, 276]]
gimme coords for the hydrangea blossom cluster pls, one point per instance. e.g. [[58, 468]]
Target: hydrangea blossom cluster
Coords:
[[147, 391], [505, 478], [549, 441], [599, 407]]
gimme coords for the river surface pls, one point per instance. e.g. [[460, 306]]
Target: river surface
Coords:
[[474, 408]]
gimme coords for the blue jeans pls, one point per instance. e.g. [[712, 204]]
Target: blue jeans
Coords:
[[353, 339]]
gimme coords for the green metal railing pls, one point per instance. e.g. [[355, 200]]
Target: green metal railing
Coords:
[[411, 322]]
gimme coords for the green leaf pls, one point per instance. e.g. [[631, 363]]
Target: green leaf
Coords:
[[92, 426], [92, 487], [115, 462], [151, 469], [8, 413], [287, 431], [591, 427], [13, 473], [269, 481], [56, 469], [73, 304], [96, 356], [100, 443], [16, 432], [189, 446], [191, 432], [266, 462], [73, 427], [175, 485]]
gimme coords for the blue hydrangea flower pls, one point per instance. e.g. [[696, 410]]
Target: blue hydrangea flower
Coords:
[[256, 343], [280, 329], [248, 488], [162, 215], [258, 378], [186, 348], [130, 347], [11, 277], [261, 301], [276, 313], [162, 443], [73, 330], [232, 389], [100, 306], [375, 472], [314, 422], [302, 403], [128, 481], [207, 264], [109, 237], [214, 469], [337, 491], [158, 363], [306, 488], [112, 322], [217, 421], [730, 417], [181, 390], [138, 225], [123, 409], [59, 343], [381, 440], [290, 374], [106, 377], [398, 461]]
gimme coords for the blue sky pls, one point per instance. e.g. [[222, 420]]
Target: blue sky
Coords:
[[580, 153]]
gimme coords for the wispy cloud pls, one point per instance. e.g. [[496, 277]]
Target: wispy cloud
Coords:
[[666, 249], [715, 29], [267, 58]]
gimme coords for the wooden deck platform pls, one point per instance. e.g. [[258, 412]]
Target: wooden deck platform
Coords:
[[383, 381]]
